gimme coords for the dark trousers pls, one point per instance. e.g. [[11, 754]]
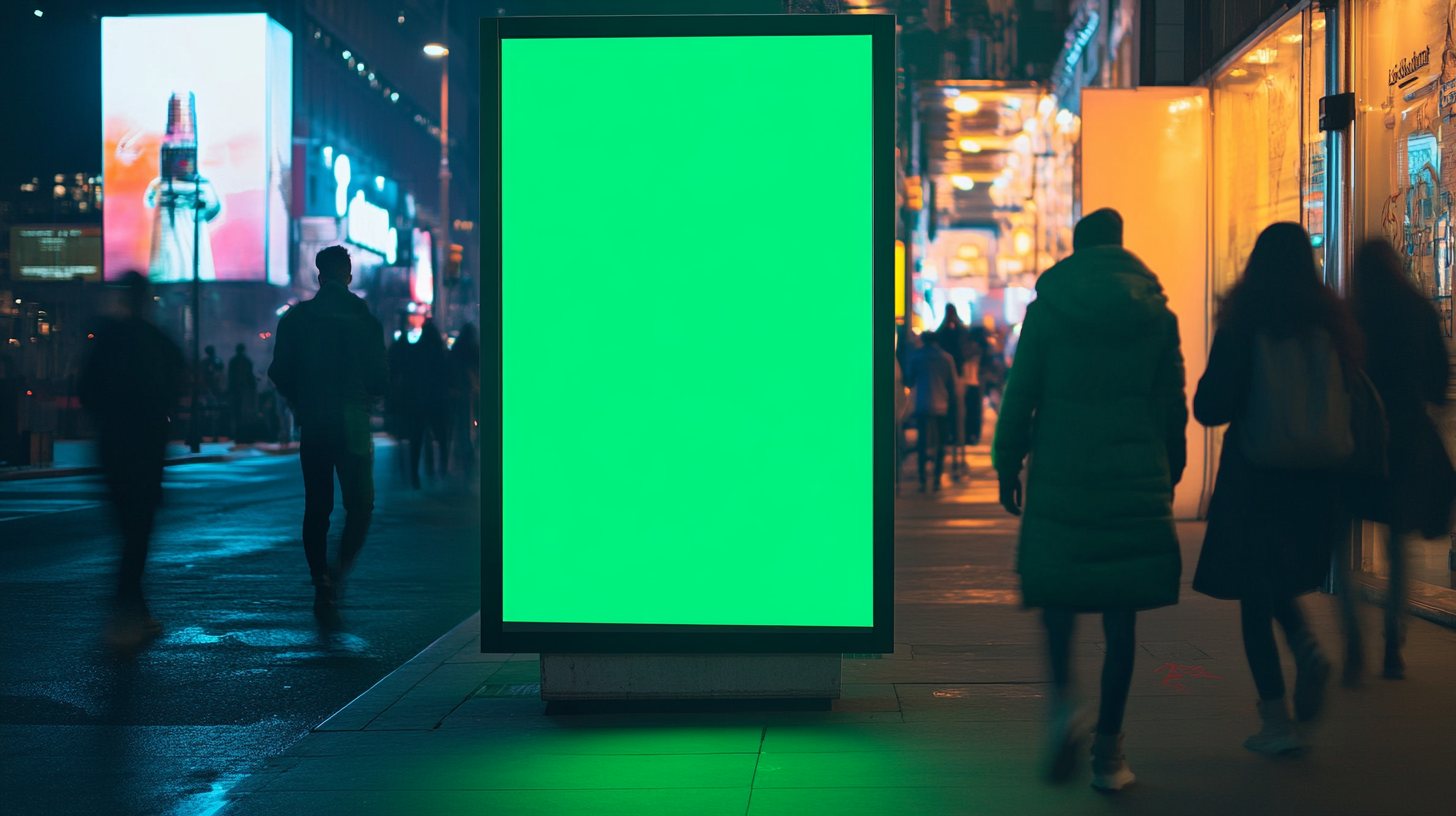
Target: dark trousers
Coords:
[[438, 423], [1120, 629], [931, 432], [1258, 613], [322, 455], [134, 476], [974, 419], [1395, 597]]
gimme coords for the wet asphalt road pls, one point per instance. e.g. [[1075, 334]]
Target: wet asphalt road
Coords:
[[242, 670]]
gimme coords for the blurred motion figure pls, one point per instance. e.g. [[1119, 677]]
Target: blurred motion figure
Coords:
[[129, 384]]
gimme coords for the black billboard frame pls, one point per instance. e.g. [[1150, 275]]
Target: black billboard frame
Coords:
[[498, 635]]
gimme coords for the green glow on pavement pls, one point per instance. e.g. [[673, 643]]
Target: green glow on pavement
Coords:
[[686, 330]]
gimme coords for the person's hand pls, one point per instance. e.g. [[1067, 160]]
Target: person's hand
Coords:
[[1011, 495]]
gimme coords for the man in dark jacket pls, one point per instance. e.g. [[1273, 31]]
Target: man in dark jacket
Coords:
[[130, 382], [329, 363]]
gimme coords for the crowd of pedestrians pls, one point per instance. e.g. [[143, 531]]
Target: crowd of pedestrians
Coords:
[[330, 365], [1325, 401]]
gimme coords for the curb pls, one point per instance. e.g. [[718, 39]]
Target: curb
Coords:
[[20, 474]]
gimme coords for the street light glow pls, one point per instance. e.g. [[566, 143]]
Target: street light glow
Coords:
[[967, 104], [436, 50], [970, 146], [963, 182]]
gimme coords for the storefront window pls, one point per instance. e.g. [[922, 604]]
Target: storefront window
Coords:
[[1405, 91], [1268, 150], [1406, 97]]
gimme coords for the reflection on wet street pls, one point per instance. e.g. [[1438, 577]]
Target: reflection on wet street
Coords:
[[242, 669]]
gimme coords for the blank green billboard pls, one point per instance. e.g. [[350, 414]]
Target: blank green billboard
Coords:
[[687, 252]]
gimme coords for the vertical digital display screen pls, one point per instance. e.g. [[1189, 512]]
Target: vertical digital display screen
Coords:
[[688, 438], [196, 146]]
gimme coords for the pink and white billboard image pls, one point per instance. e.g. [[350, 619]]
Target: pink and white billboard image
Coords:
[[196, 117]]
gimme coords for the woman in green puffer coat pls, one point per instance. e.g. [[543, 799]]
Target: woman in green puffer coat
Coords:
[[1096, 400]]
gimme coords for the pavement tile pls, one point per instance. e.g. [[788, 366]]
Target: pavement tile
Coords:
[[487, 770], [905, 736], [990, 766], [516, 672], [653, 802], [940, 801]]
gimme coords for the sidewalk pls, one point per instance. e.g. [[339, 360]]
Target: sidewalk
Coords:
[[77, 457], [951, 723]]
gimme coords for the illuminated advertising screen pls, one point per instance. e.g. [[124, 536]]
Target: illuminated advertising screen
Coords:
[[731, 474], [58, 253], [197, 118]]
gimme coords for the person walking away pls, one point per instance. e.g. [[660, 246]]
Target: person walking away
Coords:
[[211, 391], [243, 396], [1096, 401], [329, 363], [129, 383], [426, 386], [465, 393], [974, 352], [932, 376], [1275, 376], [955, 342], [1405, 357]]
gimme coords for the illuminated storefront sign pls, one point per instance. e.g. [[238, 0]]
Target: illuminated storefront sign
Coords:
[[196, 146], [55, 253], [369, 226], [715, 563]]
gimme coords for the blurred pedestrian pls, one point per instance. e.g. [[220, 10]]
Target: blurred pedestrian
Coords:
[[243, 396], [975, 352], [425, 385], [1276, 377], [1405, 357], [932, 376], [329, 363], [211, 371], [131, 380], [1096, 401], [465, 377]]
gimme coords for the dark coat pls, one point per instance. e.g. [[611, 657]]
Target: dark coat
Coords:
[[1406, 359], [1096, 399], [329, 362], [1269, 531]]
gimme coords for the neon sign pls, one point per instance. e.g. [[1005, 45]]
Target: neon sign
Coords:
[[369, 226]]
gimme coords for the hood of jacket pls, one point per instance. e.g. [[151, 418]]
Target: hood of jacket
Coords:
[[1103, 290]]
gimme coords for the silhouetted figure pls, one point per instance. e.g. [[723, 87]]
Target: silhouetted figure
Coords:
[[131, 381], [465, 393], [425, 386], [211, 371], [1405, 357], [329, 363], [1283, 339], [973, 353], [243, 395], [931, 375], [1096, 400]]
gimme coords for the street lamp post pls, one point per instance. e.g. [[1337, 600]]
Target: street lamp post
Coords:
[[439, 51]]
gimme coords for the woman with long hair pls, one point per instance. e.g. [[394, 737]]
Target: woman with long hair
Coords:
[[1271, 529], [1407, 363]]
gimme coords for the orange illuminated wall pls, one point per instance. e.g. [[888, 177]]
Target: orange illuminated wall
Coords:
[[1145, 154]]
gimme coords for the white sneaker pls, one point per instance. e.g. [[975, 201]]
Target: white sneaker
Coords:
[[1278, 736], [1109, 769]]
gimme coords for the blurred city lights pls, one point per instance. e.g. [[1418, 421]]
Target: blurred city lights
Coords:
[[963, 182], [436, 50], [970, 146], [967, 104]]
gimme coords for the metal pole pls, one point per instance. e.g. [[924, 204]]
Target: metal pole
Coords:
[[441, 306], [194, 433]]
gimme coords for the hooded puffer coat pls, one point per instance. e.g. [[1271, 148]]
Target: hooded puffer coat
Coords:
[[1096, 399]]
